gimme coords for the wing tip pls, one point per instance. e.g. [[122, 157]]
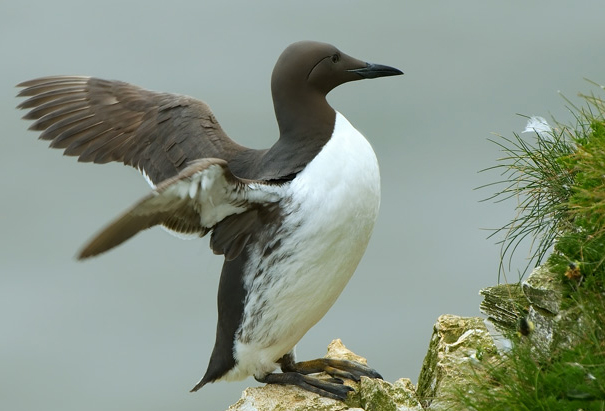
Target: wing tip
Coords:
[[92, 249], [45, 79], [85, 254]]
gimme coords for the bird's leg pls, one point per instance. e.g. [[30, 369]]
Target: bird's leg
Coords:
[[296, 373]]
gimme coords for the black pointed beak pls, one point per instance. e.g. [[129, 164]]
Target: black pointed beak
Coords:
[[376, 70]]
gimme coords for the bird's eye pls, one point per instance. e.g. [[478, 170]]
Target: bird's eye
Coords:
[[335, 58]]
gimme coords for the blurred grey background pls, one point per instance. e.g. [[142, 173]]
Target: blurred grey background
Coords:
[[133, 329]]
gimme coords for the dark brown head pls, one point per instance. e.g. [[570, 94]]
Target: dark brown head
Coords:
[[321, 67], [308, 70]]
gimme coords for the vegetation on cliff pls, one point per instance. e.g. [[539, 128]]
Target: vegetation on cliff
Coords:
[[557, 177]]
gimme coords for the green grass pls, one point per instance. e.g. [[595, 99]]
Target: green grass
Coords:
[[558, 181]]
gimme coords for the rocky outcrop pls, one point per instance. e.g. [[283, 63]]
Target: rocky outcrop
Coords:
[[456, 343], [536, 301], [370, 394], [458, 346]]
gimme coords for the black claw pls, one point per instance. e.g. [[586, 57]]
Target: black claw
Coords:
[[369, 372]]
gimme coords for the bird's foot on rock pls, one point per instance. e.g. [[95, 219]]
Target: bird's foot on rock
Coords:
[[331, 388], [297, 373], [350, 370]]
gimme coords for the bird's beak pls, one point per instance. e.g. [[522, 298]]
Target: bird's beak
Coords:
[[376, 70]]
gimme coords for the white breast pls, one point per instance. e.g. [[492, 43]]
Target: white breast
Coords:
[[331, 207]]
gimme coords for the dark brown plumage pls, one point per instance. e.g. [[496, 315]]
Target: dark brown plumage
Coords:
[[101, 121]]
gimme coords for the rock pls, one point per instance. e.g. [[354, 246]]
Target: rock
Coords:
[[537, 300], [551, 324], [379, 395], [284, 398], [456, 343], [504, 304], [544, 324], [337, 350], [544, 290], [370, 394]]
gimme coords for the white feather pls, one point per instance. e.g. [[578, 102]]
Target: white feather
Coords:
[[540, 126], [147, 178]]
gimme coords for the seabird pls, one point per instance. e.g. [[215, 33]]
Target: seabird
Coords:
[[292, 221]]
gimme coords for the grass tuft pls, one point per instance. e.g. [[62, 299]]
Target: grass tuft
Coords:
[[559, 184], [532, 173]]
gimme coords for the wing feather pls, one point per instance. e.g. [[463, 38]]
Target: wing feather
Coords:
[[100, 121], [205, 196]]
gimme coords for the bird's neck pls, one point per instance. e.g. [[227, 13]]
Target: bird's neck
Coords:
[[303, 115], [306, 122]]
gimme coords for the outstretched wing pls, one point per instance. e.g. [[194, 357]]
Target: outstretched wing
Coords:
[[101, 121], [203, 197]]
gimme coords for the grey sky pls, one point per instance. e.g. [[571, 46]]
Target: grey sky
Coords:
[[134, 329]]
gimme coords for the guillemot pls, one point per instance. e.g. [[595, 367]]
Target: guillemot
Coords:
[[292, 221]]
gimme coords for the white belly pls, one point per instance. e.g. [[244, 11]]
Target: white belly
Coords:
[[333, 203]]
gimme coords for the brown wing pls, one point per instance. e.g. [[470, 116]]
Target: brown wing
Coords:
[[203, 197], [101, 121]]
